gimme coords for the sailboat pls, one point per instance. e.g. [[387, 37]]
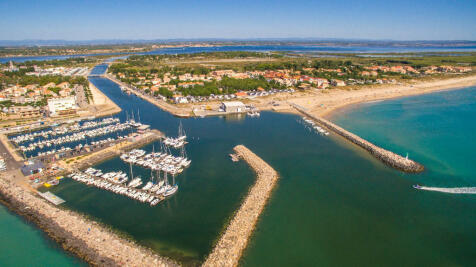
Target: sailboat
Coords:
[[171, 189], [150, 182], [183, 155], [181, 133], [135, 182]]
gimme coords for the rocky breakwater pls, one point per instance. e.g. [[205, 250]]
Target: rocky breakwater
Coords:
[[90, 241], [391, 159], [234, 240]]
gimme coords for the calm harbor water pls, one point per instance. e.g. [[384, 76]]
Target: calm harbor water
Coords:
[[334, 205], [265, 48]]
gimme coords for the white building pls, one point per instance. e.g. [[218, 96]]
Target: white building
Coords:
[[233, 106], [60, 106]]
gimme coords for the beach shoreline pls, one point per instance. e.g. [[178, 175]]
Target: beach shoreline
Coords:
[[325, 104]]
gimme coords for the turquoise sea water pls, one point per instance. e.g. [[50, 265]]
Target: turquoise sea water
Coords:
[[357, 212], [436, 129], [334, 205], [22, 244]]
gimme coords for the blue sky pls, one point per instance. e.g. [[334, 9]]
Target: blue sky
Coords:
[[164, 19]]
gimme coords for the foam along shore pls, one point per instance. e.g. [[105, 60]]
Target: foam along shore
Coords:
[[234, 240], [176, 111], [87, 239], [391, 159], [449, 190]]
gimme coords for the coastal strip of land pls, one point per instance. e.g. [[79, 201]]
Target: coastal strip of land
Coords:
[[89, 240], [176, 111], [391, 159], [234, 240]]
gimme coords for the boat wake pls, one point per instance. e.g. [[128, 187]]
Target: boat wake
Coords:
[[450, 190]]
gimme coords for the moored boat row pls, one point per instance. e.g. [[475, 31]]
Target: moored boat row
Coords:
[[77, 136], [62, 130], [118, 182]]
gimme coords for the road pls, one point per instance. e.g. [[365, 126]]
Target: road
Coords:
[[9, 160]]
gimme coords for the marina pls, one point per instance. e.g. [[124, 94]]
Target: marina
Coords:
[[115, 182], [73, 138], [157, 187], [61, 130]]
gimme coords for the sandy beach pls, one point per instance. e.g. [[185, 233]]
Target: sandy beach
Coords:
[[324, 102]]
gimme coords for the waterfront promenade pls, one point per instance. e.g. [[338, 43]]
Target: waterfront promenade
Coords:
[[234, 240], [391, 159]]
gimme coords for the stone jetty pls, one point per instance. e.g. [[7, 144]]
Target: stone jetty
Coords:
[[391, 159], [89, 240], [230, 247]]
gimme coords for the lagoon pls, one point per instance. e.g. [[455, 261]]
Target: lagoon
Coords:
[[315, 49]]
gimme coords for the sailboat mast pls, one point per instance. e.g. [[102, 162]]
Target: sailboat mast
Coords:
[[130, 167]]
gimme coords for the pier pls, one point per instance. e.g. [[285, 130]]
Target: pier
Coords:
[[52, 198], [389, 158], [230, 247], [116, 150]]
